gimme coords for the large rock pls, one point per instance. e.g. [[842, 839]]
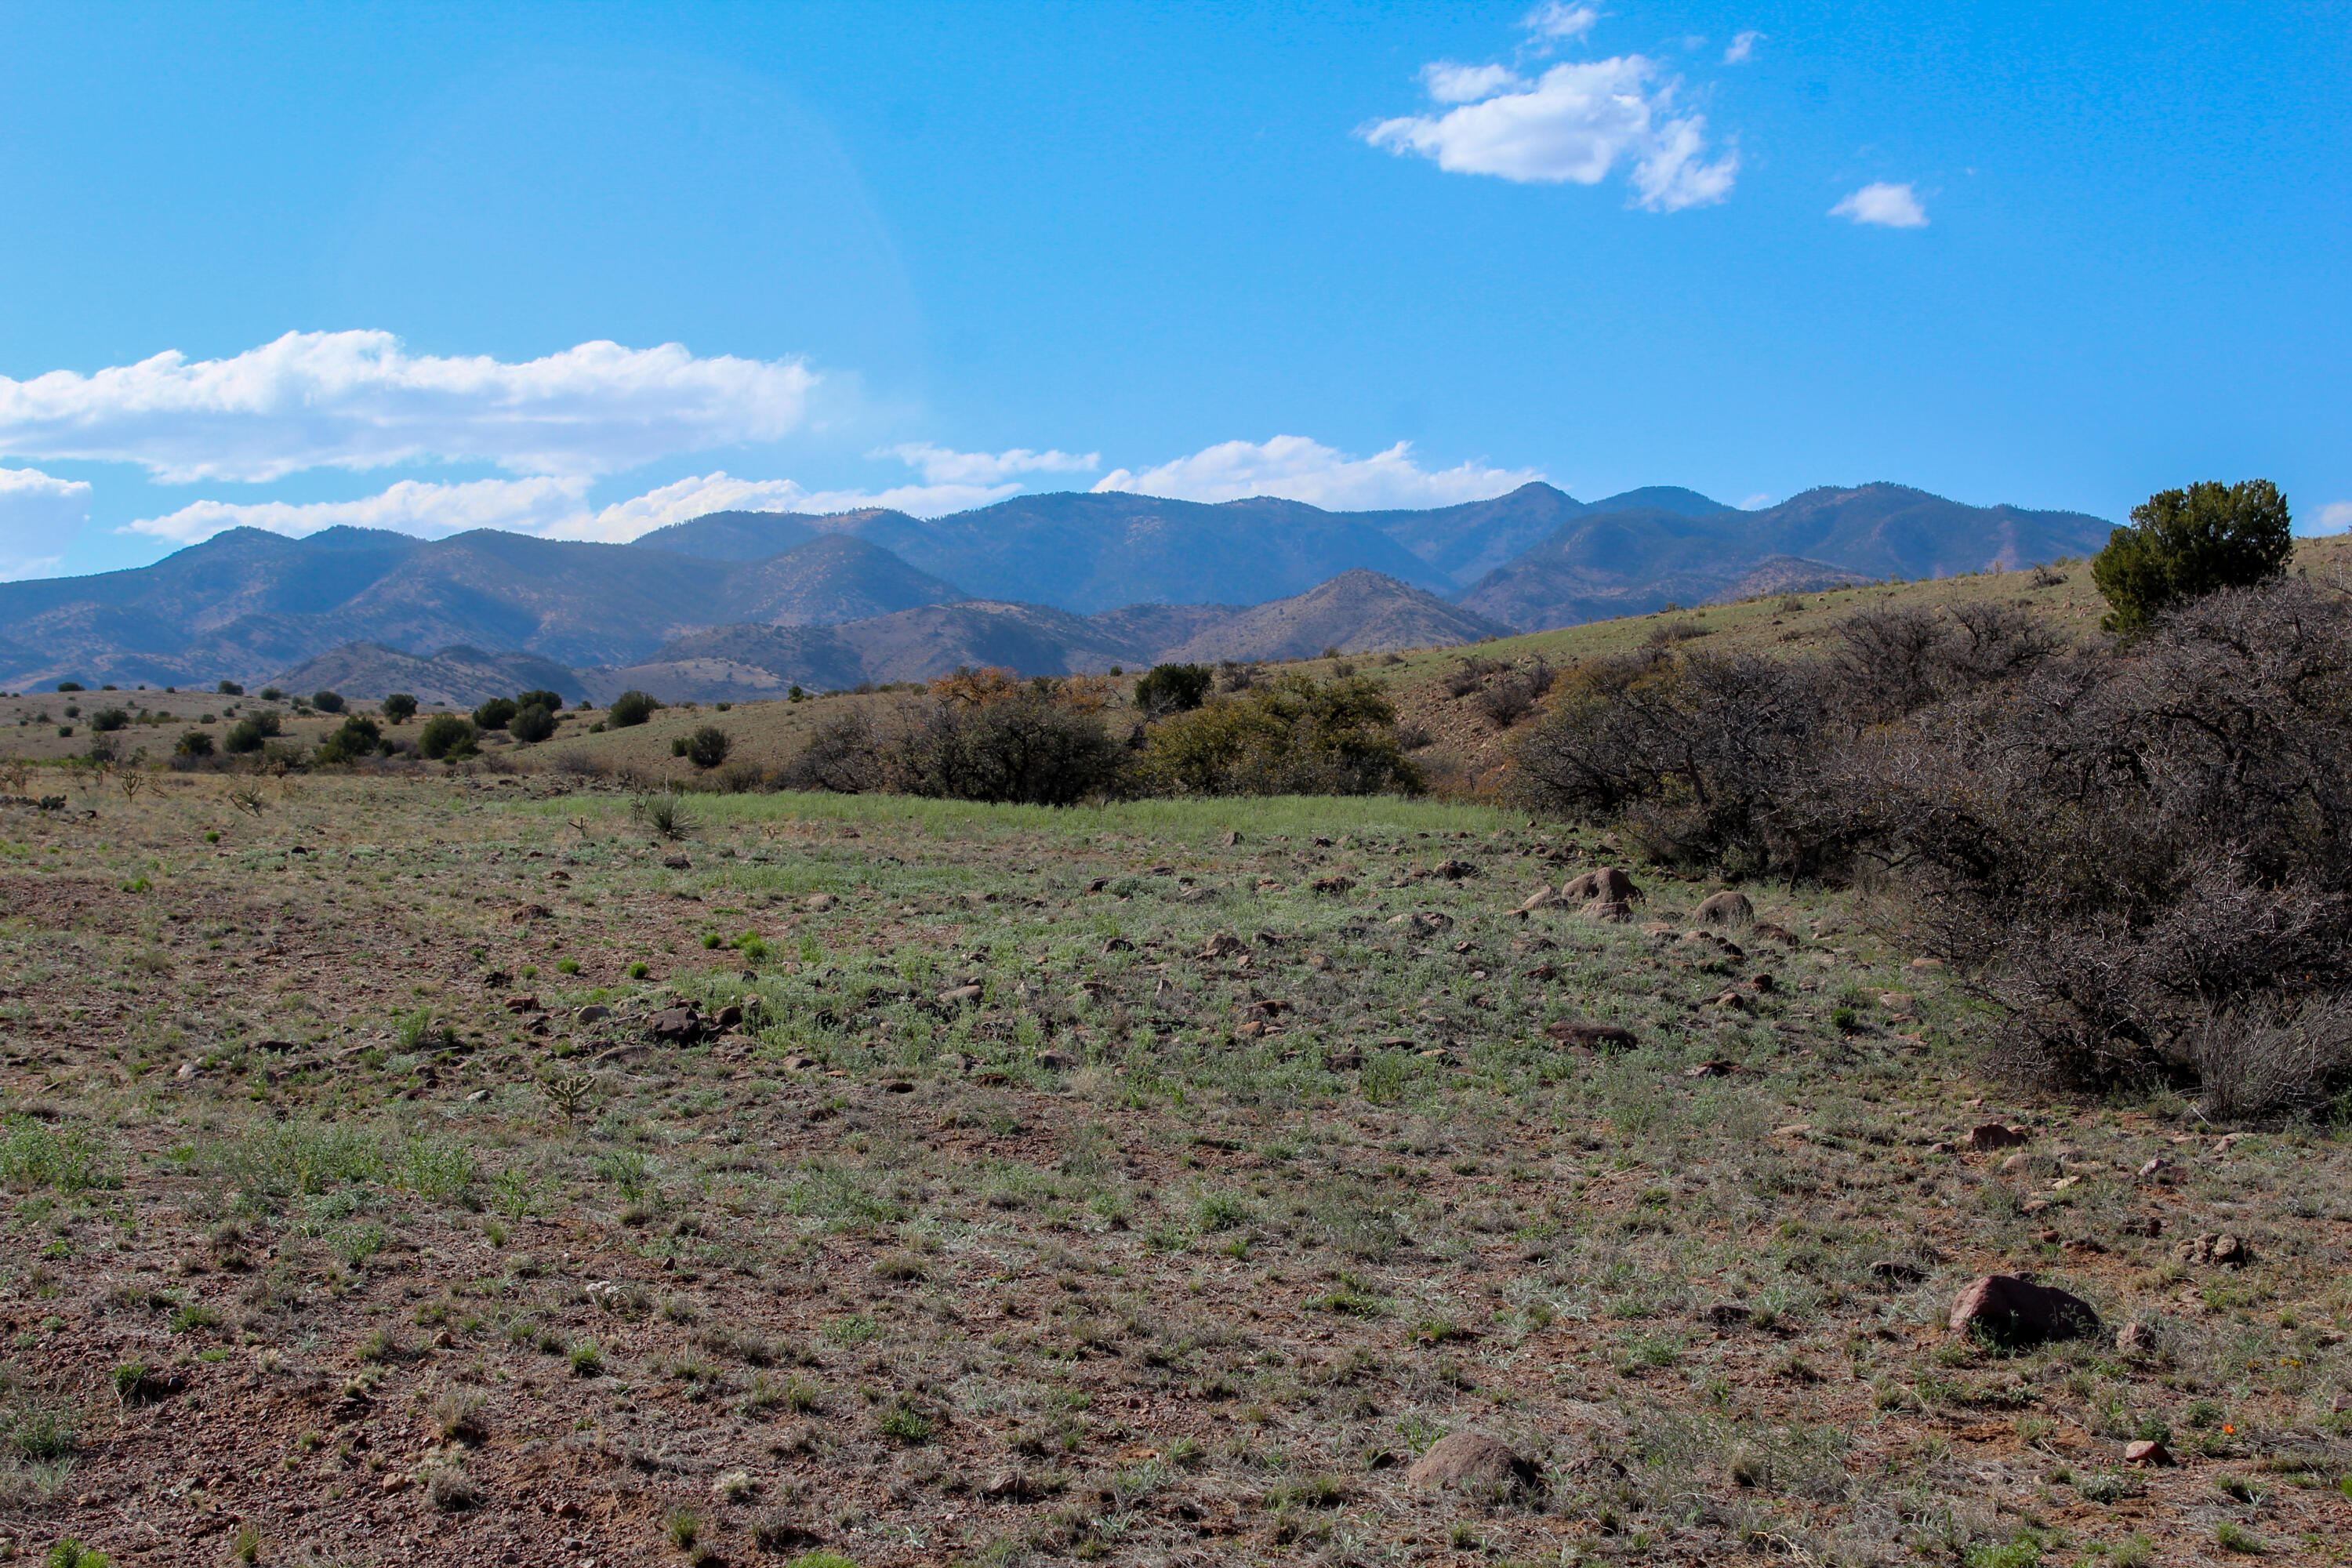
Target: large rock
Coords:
[[2224, 1251], [1609, 885], [2017, 1312], [1611, 911], [1478, 1463], [678, 1026], [1727, 907]]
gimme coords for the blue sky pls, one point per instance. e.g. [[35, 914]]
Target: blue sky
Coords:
[[2058, 256]]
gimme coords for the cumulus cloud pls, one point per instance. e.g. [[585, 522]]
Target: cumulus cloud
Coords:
[[2336, 517], [940, 465], [1299, 469], [550, 507], [1574, 124], [358, 400], [1742, 49], [39, 515], [1557, 19], [1884, 204]]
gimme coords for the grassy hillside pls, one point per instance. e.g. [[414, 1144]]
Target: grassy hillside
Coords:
[[1083, 1184]]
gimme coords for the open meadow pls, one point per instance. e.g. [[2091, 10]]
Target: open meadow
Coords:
[[463, 1169]]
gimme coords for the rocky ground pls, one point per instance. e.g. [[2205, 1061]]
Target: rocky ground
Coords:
[[463, 1171]]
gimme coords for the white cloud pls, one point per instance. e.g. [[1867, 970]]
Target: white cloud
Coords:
[[357, 400], [1557, 19], [1757, 501], [940, 465], [551, 508], [1743, 48], [1446, 82], [1575, 123], [39, 515], [1299, 469], [2336, 517], [1886, 205], [413, 506]]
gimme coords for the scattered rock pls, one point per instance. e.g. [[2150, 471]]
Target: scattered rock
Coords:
[[1992, 1135], [2018, 1311], [1716, 1069], [524, 1005], [677, 862], [1479, 1463], [1585, 1032], [817, 903], [2017, 1164], [529, 912], [2158, 1169], [1011, 1485], [1544, 895], [678, 1026], [1611, 911], [1895, 1271], [961, 996], [623, 1056], [1225, 944], [594, 1013], [729, 1016], [1729, 1315], [1056, 1061], [2136, 1339], [2147, 1451], [1454, 870], [2214, 1250], [1332, 885], [1728, 907], [1117, 944]]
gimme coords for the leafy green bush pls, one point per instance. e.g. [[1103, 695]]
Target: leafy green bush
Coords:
[[532, 723], [708, 747], [326, 701], [230, 689], [445, 735], [540, 697], [1027, 749], [251, 732], [2184, 544], [108, 720], [1174, 688], [193, 744], [357, 737], [1289, 735], [399, 708], [497, 713], [71, 1159], [630, 708]]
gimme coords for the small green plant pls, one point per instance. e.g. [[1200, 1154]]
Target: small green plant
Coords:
[[71, 1553], [567, 966], [2232, 1537], [587, 1360], [245, 1546], [903, 1424], [684, 1527], [667, 814], [639, 970]]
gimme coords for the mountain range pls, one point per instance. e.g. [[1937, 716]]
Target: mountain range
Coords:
[[1044, 583]]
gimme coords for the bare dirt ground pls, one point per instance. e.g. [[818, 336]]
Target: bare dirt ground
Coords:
[[1073, 1184]]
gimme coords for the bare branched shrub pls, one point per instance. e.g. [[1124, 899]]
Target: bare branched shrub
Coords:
[[2265, 1060], [580, 764], [1512, 695], [841, 756]]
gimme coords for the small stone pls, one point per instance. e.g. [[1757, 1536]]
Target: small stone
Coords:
[[1454, 870], [1925, 964], [1056, 1061], [1222, 945], [817, 903], [677, 862], [2223, 1251], [594, 1013], [2158, 1169], [729, 1016], [2017, 1165], [528, 912], [188, 1070], [1596, 1037], [2136, 1339], [1479, 1463], [2147, 1451], [1993, 1135], [523, 1005], [1117, 944], [1544, 894], [625, 1055], [1895, 1271], [1898, 1000], [961, 995]]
